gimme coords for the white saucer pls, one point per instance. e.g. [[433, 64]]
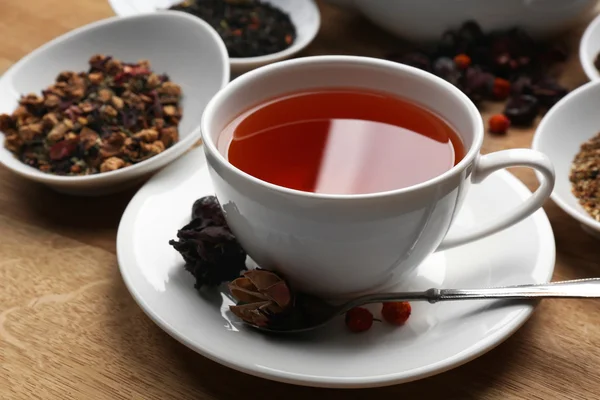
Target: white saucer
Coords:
[[436, 338]]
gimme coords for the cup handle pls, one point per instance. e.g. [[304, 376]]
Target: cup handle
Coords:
[[504, 159]]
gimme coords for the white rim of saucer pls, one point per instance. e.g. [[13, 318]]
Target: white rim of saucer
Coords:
[[218, 99]]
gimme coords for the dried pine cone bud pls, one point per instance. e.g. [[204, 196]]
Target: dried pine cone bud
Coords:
[[261, 295]]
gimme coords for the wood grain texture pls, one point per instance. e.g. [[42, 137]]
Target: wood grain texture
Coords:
[[70, 330]]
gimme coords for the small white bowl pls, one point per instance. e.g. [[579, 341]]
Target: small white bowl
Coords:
[[305, 16], [589, 47], [186, 48], [572, 121]]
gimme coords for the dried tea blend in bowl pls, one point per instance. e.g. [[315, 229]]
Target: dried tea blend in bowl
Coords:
[[585, 177], [114, 115], [498, 66], [249, 28]]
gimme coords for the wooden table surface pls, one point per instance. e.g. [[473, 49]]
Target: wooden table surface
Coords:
[[70, 329]]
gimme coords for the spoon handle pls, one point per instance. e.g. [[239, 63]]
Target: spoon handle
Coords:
[[581, 288]]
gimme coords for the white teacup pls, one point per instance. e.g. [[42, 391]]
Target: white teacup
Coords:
[[341, 245]]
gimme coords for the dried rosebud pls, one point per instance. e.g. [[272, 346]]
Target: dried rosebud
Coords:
[[261, 295]]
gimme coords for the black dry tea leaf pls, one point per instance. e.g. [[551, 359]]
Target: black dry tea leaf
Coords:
[[249, 28], [210, 250]]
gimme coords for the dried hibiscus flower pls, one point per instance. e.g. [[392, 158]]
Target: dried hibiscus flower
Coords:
[[262, 295], [210, 250]]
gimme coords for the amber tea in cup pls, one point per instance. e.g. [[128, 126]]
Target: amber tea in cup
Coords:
[[341, 141]]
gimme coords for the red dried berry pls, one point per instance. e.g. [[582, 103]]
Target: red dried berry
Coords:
[[462, 61], [359, 319], [396, 312], [499, 124], [501, 89]]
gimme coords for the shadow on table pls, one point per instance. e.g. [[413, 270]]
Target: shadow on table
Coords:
[[76, 217], [577, 252]]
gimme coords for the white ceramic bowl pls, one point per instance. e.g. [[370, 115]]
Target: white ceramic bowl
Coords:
[[184, 47], [304, 14], [568, 124], [589, 47], [426, 20]]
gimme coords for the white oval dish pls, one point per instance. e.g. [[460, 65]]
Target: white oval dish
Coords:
[[572, 121], [436, 338], [589, 48], [304, 14], [185, 48]]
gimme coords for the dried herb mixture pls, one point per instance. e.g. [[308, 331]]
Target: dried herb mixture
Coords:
[[585, 176], [249, 28], [504, 65], [114, 115]]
